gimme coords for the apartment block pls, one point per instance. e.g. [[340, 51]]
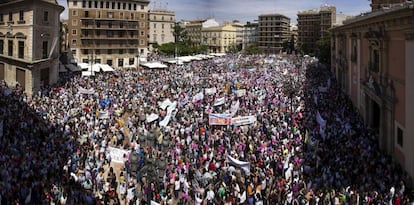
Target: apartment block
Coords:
[[29, 43], [161, 27], [108, 31], [385, 4], [273, 31], [312, 25]]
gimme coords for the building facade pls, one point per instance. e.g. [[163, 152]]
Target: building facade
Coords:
[[250, 34], [273, 31], [372, 58], [108, 31], [312, 25], [380, 4], [29, 43], [220, 39], [161, 27]]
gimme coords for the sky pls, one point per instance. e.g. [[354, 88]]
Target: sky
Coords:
[[247, 10]]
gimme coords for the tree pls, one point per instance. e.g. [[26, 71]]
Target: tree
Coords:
[[324, 48]]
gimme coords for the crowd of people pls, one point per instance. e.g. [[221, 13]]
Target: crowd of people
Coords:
[[229, 130]]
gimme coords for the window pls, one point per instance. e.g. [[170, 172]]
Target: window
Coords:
[[109, 51], [102, 4], [74, 13], [142, 33], [75, 3], [46, 16], [110, 15], [21, 49], [374, 60], [155, 37], [1, 46], [10, 44], [155, 25], [162, 38], [96, 4], [74, 32], [86, 13], [141, 42], [400, 135], [74, 42], [10, 16], [135, 7], [1, 18], [129, 6], [83, 4], [74, 22], [120, 62], [142, 16], [162, 26], [44, 49], [90, 4], [121, 51], [142, 7], [119, 5], [131, 61], [124, 6], [21, 15], [107, 4], [113, 5]]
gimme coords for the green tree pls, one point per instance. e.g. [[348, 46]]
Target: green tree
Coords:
[[324, 48]]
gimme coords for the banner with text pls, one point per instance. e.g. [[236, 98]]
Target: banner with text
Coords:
[[117, 155], [245, 120], [219, 119]]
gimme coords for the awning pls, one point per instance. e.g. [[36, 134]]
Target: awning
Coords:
[[106, 68], [154, 65], [73, 68]]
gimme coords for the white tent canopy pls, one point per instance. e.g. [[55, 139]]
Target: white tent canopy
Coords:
[[96, 67], [154, 65]]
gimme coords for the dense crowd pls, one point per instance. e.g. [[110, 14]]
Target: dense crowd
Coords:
[[304, 142]]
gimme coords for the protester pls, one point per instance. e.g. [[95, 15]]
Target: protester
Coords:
[[231, 130]]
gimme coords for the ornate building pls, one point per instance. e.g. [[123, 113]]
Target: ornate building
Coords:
[[108, 31], [372, 58], [29, 43]]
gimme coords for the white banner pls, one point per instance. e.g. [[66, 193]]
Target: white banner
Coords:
[[167, 118], [89, 91], [164, 104], [152, 117], [246, 120], [241, 92], [103, 115], [219, 101], [234, 108], [188, 75], [199, 96], [245, 166], [117, 155], [210, 91]]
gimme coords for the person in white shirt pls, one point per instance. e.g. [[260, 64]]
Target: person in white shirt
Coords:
[[210, 196], [177, 186]]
